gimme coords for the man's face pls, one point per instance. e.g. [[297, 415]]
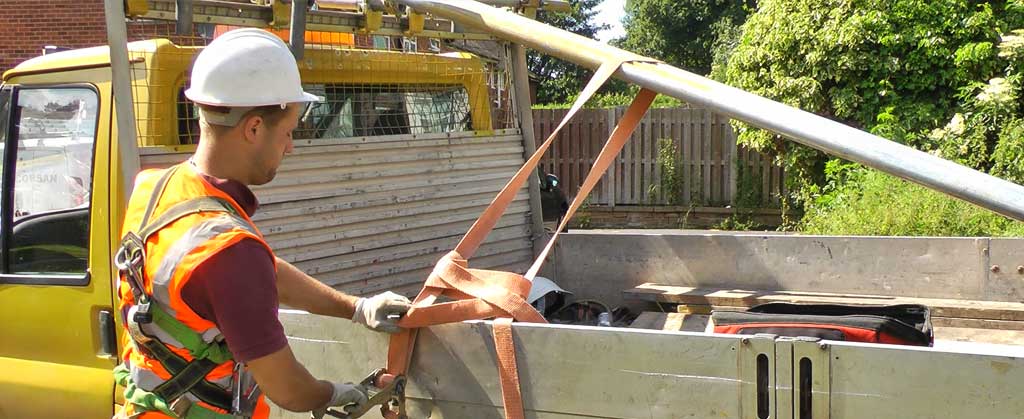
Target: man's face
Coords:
[[273, 142]]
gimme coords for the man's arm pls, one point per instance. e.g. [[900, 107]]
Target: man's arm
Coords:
[[298, 290], [288, 384]]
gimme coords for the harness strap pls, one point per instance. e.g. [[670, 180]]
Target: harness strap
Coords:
[[481, 294], [186, 377], [158, 192], [184, 209]]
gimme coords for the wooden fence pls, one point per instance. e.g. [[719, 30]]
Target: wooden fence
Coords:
[[703, 167]]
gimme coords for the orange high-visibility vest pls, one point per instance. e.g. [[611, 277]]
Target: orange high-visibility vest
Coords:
[[172, 254]]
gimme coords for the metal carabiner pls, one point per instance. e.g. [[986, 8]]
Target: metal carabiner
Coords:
[[385, 390]]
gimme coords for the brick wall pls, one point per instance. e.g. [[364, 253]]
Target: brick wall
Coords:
[[29, 25], [26, 26]]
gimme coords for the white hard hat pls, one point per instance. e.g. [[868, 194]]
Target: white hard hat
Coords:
[[247, 68], [541, 287]]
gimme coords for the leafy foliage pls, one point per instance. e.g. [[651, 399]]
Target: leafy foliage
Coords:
[[682, 33], [893, 67], [869, 202], [932, 74], [561, 80]]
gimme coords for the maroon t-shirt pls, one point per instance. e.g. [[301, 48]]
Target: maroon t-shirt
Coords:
[[236, 289]]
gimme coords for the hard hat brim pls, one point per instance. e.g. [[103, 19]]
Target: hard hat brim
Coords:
[[194, 96]]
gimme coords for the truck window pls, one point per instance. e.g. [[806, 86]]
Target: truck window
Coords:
[[358, 111], [51, 181], [362, 111]]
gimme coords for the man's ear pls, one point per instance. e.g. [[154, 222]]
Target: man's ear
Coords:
[[251, 127]]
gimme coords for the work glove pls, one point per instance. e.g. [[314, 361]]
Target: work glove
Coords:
[[382, 311], [347, 397]]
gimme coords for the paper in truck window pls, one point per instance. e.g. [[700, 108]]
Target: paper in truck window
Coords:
[[55, 142]]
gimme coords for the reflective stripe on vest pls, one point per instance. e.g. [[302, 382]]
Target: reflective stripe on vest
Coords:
[[147, 380], [201, 233]]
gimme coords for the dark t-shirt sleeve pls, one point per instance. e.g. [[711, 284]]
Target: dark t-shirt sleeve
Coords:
[[236, 289]]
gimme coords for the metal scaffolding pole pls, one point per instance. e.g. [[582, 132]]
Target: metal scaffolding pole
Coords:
[[524, 105], [117, 39], [803, 127]]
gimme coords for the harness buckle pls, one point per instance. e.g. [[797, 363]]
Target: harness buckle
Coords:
[[180, 406], [245, 392], [138, 315], [130, 260]]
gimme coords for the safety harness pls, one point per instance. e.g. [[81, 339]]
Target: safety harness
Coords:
[[187, 377]]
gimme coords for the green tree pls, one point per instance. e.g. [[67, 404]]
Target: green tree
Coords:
[[943, 76], [684, 33], [561, 80], [893, 67]]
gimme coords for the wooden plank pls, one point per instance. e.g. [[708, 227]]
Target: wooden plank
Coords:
[[439, 165], [636, 188], [510, 251], [319, 187], [295, 195], [962, 334], [612, 176], [717, 166], [596, 137], [517, 261], [755, 167], [662, 132], [977, 323], [627, 166], [776, 192], [339, 232], [733, 161], [390, 213], [654, 118], [402, 250], [685, 164], [163, 156], [571, 179], [679, 322], [560, 156], [553, 151], [766, 179], [940, 307], [387, 239], [705, 120], [389, 194]]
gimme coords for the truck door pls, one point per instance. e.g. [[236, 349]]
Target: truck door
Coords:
[[57, 335]]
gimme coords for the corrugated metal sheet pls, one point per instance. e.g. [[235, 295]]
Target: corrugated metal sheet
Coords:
[[372, 213]]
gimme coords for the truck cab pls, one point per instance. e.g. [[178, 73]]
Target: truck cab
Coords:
[[61, 200]]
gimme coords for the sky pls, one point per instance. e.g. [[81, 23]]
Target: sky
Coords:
[[611, 12]]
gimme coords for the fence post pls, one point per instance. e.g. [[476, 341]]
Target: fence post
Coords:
[[610, 180]]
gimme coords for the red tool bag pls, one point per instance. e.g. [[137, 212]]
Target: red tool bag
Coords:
[[905, 324]]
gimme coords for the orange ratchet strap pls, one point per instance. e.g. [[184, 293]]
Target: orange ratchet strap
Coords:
[[478, 294]]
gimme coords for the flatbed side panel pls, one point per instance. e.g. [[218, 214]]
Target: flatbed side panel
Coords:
[[896, 382], [601, 263], [566, 371]]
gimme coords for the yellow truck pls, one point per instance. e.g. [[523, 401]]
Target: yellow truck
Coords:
[[394, 167], [62, 204]]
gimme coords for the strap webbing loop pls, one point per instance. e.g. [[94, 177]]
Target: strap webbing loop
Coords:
[[482, 294]]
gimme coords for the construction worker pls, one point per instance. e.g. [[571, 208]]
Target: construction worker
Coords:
[[199, 286]]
